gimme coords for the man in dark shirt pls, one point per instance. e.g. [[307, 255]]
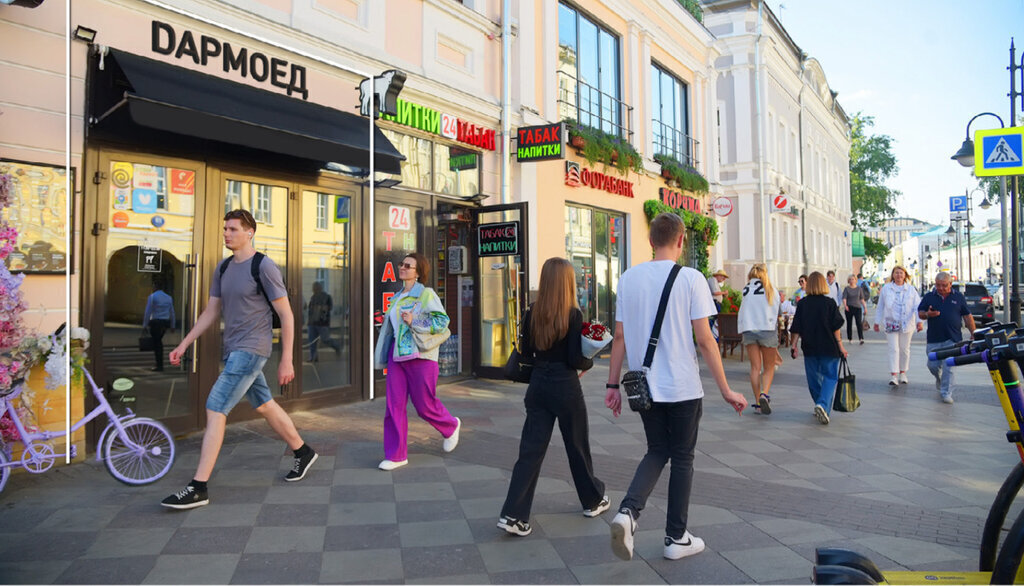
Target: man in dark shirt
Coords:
[[944, 308]]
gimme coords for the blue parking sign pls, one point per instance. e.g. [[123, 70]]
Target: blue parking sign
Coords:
[[958, 203]]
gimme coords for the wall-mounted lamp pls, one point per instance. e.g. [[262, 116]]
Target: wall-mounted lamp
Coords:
[[478, 197], [383, 183], [84, 34]]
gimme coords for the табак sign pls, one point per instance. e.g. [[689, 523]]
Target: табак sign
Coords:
[[499, 239]]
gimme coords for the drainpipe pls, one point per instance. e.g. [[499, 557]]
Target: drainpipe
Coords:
[[506, 99], [765, 209], [800, 151]]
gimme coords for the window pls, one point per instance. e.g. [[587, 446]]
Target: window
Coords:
[[670, 110], [261, 211], [595, 244], [433, 166], [249, 196], [321, 211], [588, 74]]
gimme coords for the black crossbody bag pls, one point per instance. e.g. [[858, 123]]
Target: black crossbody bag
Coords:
[[635, 381]]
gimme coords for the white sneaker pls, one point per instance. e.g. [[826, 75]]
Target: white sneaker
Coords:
[[819, 412], [391, 465], [948, 399], [623, 528], [453, 440], [892, 381], [601, 507], [903, 378], [680, 548]]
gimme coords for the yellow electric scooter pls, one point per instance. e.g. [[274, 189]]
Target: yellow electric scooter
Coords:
[[999, 346]]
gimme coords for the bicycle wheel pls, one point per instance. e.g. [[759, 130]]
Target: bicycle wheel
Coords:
[[997, 517], [1007, 567], [5, 471], [151, 456]]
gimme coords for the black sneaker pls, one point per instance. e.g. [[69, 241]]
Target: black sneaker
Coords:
[[301, 466], [514, 526], [187, 498], [601, 507]]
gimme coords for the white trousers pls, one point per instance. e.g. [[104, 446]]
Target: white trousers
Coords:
[[899, 350]]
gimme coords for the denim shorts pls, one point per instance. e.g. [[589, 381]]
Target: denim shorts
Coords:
[[766, 339], [242, 375]]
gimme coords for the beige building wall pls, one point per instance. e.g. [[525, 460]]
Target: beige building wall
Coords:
[[32, 126]]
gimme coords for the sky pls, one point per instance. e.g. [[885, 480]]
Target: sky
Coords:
[[922, 69]]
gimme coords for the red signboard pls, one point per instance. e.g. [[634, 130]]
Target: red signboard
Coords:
[[679, 201]]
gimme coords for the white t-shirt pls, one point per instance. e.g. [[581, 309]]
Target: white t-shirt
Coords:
[[835, 294], [674, 375], [756, 315]]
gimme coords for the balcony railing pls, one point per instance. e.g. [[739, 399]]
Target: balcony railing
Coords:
[[672, 142], [592, 107]]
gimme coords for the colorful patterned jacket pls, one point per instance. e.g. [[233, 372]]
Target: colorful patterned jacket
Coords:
[[430, 319]]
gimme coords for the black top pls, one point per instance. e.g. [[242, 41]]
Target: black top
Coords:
[[817, 319], [568, 350]]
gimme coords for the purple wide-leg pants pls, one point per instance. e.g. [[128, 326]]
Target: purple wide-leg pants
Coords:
[[417, 380]]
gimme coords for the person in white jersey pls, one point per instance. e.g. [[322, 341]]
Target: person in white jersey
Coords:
[[674, 379], [758, 321]]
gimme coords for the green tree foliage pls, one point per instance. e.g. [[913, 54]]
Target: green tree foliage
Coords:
[[875, 249], [872, 163]]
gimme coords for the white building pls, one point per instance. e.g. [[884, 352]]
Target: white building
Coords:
[[783, 136]]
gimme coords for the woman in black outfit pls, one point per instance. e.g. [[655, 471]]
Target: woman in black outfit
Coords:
[[817, 327], [551, 334]]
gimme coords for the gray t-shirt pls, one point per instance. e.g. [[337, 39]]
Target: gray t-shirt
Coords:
[[247, 315], [854, 296]]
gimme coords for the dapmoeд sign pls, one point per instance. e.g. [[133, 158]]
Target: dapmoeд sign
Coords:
[[540, 143], [498, 239]]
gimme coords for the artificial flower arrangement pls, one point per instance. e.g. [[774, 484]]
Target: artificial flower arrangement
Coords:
[[595, 337]]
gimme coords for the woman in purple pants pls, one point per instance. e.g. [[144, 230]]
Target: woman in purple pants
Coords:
[[408, 345]]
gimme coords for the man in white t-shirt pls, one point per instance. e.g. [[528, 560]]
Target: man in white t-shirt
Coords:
[[674, 379], [834, 292]]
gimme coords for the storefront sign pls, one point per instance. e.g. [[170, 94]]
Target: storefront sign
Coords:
[[679, 201], [150, 259], [576, 176], [500, 239], [540, 143], [722, 206], [461, 159], [256, 65], [430, 120]]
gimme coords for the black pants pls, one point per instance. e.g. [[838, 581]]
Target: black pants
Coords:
[[157, 327], [554, 394], [854, 315], [671, 430]]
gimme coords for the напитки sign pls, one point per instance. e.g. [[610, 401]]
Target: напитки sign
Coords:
[[499, 239]]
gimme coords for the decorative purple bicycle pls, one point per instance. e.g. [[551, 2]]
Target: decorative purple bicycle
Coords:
[[137, 450]]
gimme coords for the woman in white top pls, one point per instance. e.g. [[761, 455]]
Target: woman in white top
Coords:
[[896, 314], [758, 322]]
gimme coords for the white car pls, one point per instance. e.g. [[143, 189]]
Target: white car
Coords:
[[996, 291]]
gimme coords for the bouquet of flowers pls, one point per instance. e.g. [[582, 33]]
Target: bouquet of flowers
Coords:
[[595, 337]]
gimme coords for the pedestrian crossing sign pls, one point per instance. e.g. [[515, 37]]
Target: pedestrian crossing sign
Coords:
[[999, 152]]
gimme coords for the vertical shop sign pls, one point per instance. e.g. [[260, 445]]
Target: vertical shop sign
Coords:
[[397, 229]]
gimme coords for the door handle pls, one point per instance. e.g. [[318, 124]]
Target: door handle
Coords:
[[194, 294]]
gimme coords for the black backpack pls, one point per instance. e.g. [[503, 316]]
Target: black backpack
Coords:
[[255, 270]]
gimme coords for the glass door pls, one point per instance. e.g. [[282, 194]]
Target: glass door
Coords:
[[147, 285], [502, 293], [267, 201]]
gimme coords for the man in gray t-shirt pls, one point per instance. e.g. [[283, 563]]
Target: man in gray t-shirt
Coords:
[[248, 339]]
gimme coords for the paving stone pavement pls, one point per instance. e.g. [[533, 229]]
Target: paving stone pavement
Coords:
[[906, 480]]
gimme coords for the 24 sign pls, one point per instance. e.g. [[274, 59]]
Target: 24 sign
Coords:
[[398, 217]]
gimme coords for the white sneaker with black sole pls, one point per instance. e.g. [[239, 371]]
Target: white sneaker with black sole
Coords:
[[623, 529], [686, 546], [514, 526], [893, 382], [601, 507], [903, 378], [819, 412]]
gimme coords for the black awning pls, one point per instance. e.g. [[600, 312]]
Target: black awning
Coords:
[[177, 100]]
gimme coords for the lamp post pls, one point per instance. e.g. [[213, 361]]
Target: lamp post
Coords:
[[965, 156]]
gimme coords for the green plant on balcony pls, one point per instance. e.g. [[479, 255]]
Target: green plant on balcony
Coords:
[[694, 8], [703, 231], [598, 146], [685, 176]]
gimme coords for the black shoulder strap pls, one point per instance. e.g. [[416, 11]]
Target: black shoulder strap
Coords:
[[662, 306], [224, 265], [255, 269]]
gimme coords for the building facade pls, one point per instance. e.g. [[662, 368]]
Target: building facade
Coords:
[[182, 111], [894, 231], [785, 143]]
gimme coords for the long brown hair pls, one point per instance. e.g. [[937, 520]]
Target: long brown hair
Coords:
[[556, 297]]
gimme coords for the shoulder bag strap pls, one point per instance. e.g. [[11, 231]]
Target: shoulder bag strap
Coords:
[[254, 268], [662, 305]]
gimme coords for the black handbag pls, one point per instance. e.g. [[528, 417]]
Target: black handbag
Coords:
[[516, 369], [846, 399], [146, 343], [638, 392]]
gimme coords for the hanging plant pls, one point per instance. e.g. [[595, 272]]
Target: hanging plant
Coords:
[[703, 229], [685, 176], [598, 146]]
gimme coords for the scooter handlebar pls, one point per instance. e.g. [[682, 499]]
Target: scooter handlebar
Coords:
[[972, 358], [944, 353]]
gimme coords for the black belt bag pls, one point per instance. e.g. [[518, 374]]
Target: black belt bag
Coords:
[[638, 392]]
